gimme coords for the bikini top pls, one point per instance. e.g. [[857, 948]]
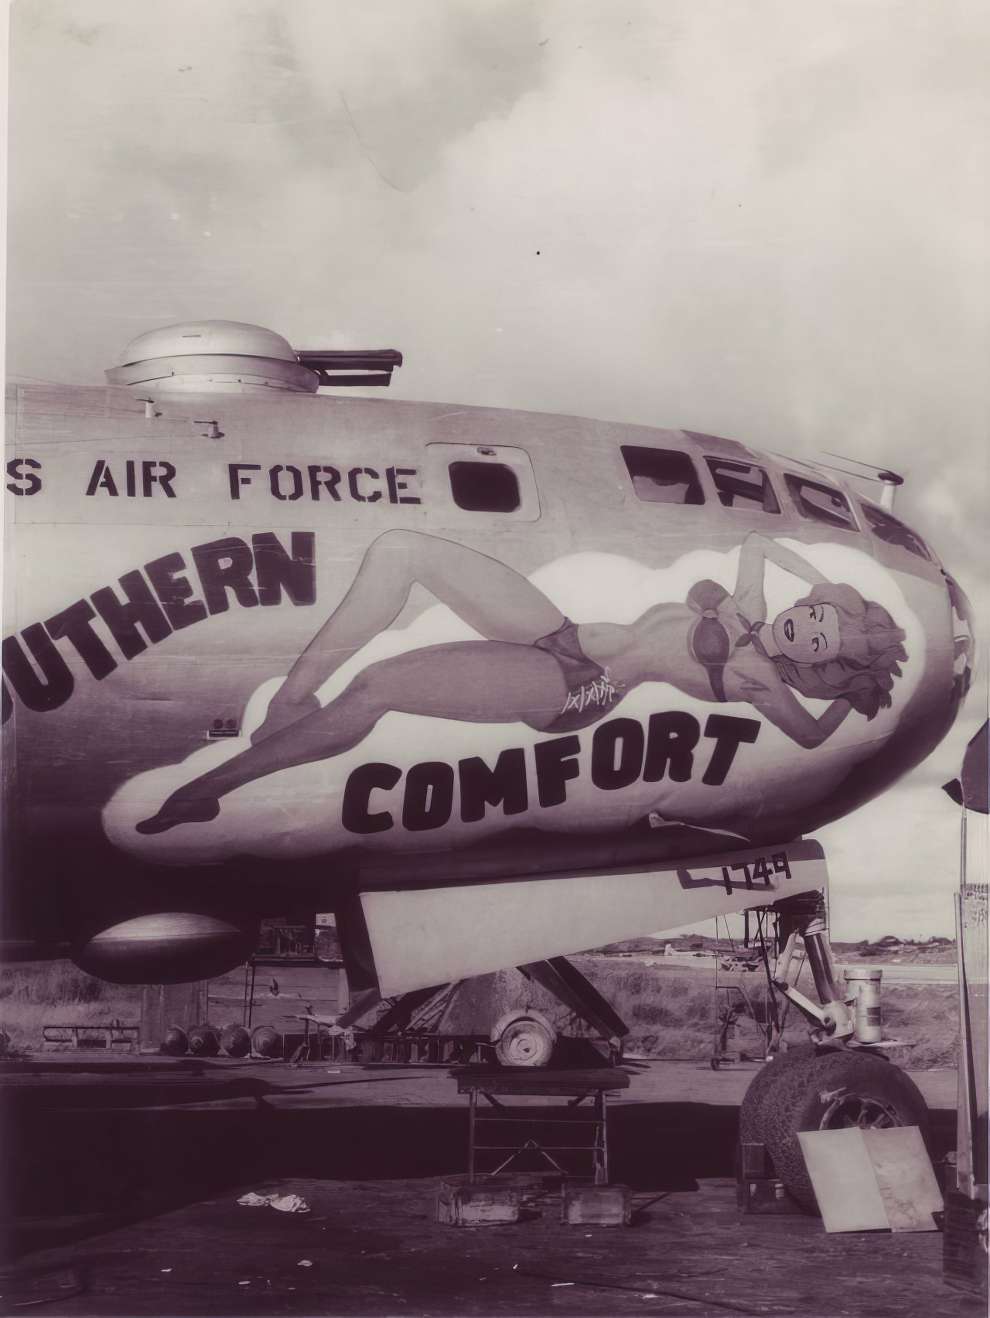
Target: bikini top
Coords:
[[708, 639]]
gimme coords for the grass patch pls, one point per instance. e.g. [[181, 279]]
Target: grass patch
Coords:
[[57, 992], [670, 1009], [671, 1012]]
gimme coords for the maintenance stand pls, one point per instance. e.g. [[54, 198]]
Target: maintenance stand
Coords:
[[494, 1084]]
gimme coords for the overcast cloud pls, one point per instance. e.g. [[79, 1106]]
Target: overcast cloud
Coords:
[[748, 217]]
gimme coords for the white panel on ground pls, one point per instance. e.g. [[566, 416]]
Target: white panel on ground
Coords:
[[872, 1180], [435, 935], [845, 1186]]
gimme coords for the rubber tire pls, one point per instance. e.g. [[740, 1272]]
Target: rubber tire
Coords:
[[796, 1103], [752, 1119], [525, 1041]]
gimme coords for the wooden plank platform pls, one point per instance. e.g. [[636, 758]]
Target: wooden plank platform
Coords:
[[537, 1081], [374, 1248]]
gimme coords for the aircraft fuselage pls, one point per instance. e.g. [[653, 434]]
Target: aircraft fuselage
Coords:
[[169, 566]]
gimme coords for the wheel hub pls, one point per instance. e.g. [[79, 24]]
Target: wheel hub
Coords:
[[863, 1111]]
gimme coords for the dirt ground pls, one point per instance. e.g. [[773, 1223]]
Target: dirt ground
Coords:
[[123, 1181], [374, 1248]]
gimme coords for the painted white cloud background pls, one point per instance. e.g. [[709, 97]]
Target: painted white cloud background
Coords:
[[296, 812], [753, 218]]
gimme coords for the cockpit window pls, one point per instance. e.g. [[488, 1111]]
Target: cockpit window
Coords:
[[740, 485], [484, 487], [662, 475], [886, 527], [820, 502]]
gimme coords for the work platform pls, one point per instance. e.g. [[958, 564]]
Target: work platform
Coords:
[[583, 1118]]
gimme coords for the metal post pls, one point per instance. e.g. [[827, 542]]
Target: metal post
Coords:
[[962, 848], [601, 1164], [820, 961], [965, 1172], [472, 1104]]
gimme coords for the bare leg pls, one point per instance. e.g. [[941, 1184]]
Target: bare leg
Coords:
[[471, 681], [492, 598]]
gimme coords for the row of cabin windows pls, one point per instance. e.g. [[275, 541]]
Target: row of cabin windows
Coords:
[[669, 476]]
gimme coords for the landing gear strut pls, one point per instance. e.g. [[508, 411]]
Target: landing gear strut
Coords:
[[804, 916], [839, 1080]]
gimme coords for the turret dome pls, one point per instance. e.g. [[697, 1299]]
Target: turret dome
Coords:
[[201, 356]]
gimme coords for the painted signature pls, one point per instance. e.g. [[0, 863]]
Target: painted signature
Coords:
[[599, 693]]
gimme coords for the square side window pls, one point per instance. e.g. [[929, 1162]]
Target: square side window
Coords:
[[821, 503], [484, 487], [885, 526], [741, 484], [662, 475]]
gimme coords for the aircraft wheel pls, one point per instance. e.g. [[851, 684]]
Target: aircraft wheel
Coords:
[[752, 1126], [524, 1040], [834, 1091]]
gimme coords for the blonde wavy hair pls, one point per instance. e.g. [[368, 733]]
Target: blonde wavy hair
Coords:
[[871, 651]]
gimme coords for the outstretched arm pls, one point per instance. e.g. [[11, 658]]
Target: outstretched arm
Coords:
[[778, 704], [757, 551]]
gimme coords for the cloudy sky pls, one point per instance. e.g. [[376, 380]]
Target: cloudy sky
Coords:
[[749, 217]]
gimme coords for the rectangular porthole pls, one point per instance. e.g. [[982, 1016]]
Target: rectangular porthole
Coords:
[[661, 475], [820, 502], [480, 480], [742, 485], [484, 487]]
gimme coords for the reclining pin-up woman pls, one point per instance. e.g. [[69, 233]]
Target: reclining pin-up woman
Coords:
[[537, 667]]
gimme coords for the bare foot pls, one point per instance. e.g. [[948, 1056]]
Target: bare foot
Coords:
[[181, 808]]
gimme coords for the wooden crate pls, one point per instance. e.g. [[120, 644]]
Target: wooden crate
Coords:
[[481, 1203], [758, 1190], [596, 1205]]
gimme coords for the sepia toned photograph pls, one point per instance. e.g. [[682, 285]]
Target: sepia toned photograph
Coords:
[[494, 687]]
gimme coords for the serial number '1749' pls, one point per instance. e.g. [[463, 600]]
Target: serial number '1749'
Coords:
[[757, 871]]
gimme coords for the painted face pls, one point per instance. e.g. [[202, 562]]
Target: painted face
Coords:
[[808, 634]]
